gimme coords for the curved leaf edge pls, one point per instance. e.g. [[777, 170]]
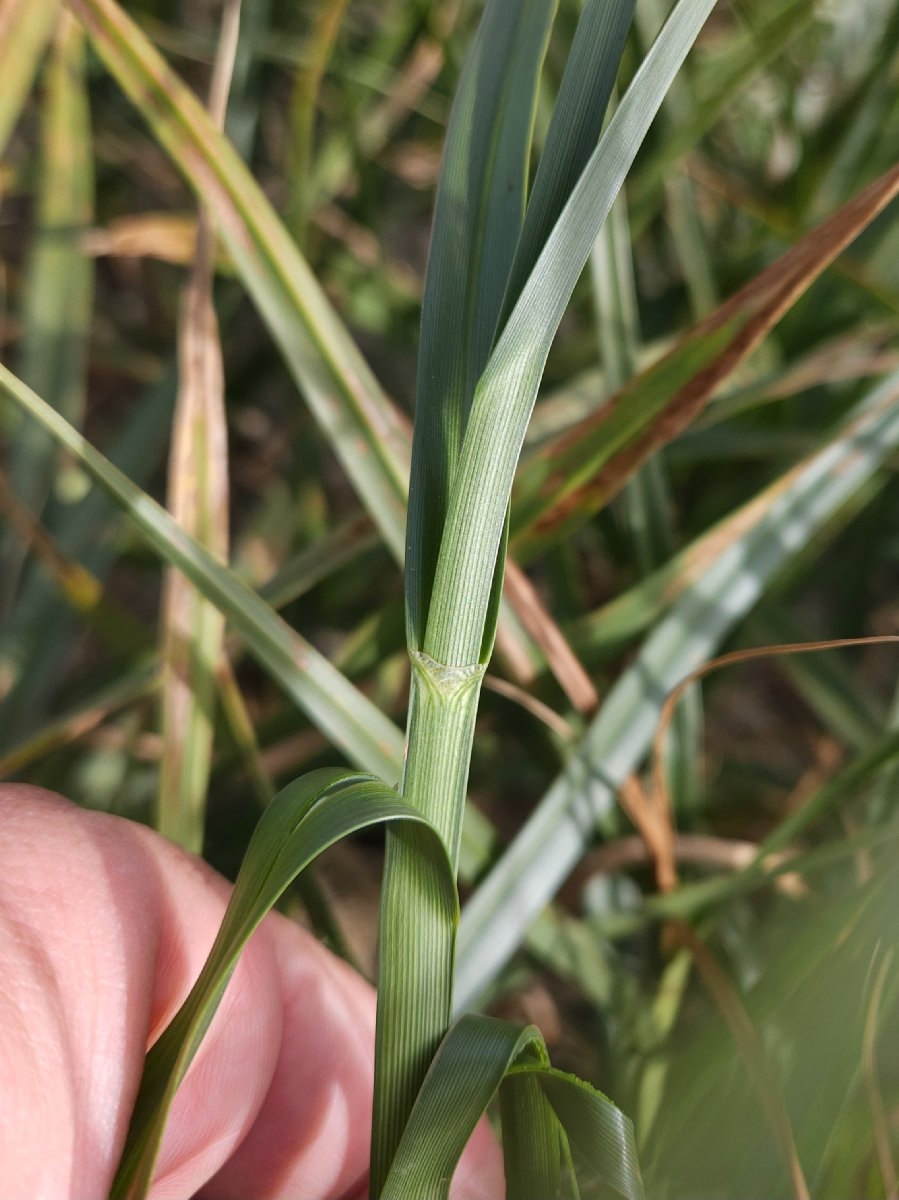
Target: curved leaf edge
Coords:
[[304, 819], [478, 1057]]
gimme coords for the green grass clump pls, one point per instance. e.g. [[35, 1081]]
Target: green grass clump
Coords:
[[708, 465]]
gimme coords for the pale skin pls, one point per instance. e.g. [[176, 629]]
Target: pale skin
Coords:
[[103, 928]]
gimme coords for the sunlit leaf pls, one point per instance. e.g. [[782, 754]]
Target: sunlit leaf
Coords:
[[582, 798], [25, 29], [193, 629]]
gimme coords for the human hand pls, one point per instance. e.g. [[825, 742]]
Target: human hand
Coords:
[[104, 926]]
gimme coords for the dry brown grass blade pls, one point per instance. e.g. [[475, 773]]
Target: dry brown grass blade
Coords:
[[750, 314], [193, 629], [168, 237], [843, 359], [698, 849], [562, 660], [745, 200], [550, 718]]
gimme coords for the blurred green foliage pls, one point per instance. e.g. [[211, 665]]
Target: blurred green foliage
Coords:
[[781, 114]]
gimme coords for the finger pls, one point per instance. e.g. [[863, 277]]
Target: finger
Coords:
[[311, 1137], [329, 1022], [103, 928], [71, 1058]]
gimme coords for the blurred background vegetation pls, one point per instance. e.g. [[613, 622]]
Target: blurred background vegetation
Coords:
[[761, 1062]]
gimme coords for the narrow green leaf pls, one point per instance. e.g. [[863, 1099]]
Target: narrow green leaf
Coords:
[[476, 1055], [480, 205], [615, 298], [304, 819], [478, 217], [599, 1134], [60, 286], [506, 392], [415, 1007], [574, 130], [59, 291], [456, 637], [531, 1151], [464, 1077], [336, 707], [25, 30]]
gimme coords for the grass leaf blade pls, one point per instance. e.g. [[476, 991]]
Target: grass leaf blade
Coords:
[[332, 703], [554, 837], [599, 1134], [304, 819], [507, 389], [193, 630], [479, 213], [476, 1056], [531, 1151], [59, 295], [464, 1076], [575, 126], [358, 419], [577, 473]]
